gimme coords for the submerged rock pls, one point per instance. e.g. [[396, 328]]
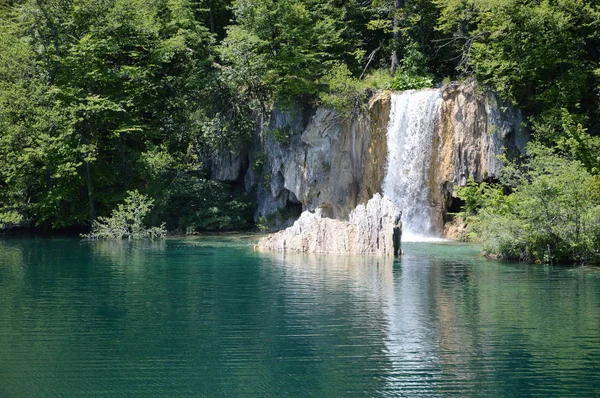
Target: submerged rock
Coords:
[[369, 230]]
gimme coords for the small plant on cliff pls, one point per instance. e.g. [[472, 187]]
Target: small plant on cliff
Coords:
[[262, 224], [127, 221], [282, 135], [406, 81], [259, 162]]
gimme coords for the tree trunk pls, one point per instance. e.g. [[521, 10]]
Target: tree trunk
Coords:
[[88, 177], [398, 4], [211, 17], [90, 190]]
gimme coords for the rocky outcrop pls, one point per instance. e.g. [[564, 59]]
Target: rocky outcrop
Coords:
[[476, 129], [373, 163], [309, 159], [227, 166], [369, 230], [318, 159]]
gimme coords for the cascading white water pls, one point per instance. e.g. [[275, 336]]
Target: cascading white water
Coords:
[[414, 119]]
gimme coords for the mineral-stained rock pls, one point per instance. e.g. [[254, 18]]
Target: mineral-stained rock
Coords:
[[306, 159], [369, 230]]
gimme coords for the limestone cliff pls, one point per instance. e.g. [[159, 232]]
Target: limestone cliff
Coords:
[[476, 129], [369, 230], [324, 161], [309, 159]]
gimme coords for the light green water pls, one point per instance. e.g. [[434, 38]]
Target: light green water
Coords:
[[209, 317]]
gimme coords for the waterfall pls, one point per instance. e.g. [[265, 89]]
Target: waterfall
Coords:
[[414, 122]]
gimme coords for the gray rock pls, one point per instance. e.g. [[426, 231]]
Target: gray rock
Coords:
[[333, 163], [227, 166], [369, 230]]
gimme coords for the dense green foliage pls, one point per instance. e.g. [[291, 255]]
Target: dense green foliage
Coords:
[[98, 98], [552, 214], [191, 204]]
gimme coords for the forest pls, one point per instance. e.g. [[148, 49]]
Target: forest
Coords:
[[106, 101]]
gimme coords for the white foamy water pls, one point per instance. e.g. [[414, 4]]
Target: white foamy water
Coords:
[[414, 120]]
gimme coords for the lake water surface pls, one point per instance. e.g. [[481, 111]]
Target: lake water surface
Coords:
[[209, 317]]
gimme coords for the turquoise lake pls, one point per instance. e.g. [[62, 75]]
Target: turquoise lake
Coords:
[[208, 317]]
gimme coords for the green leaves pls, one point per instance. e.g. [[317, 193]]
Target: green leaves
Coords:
[[551, 216], [404, 81], [127, 221], [536, 53], [278, 49], [87, 88], [344, 93], [192, 204]]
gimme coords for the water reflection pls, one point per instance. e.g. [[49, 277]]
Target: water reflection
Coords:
[[209, 317]]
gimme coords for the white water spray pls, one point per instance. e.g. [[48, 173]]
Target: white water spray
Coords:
[[414, 120]]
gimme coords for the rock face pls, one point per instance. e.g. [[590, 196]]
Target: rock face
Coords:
[[476, 129], [309, 159], [227, 166], [369, 230], [325, 161]]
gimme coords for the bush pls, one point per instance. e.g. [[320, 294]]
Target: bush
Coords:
[[477, 195], [10, 219], [379, 79], [127, 221], [553, 214], [282, 135], [405, 81]]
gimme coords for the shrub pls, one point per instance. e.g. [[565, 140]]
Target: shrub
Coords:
[[553, 214], [259, 162], [282, 135], [127, 221], [10, 219], [344, 93], [406, 81], [379, 79], [477, 195]]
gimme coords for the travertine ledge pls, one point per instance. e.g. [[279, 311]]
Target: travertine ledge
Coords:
[[369, 230]]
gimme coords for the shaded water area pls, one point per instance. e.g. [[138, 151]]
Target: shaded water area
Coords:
[[209, 317]]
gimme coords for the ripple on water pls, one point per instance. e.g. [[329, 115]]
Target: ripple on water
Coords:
[[209, 317]]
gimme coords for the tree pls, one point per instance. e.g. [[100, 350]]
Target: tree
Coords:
[[276, 50], [541, 55], [127, 221], [98, 85]]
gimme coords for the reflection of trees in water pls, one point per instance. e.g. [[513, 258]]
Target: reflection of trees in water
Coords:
[[12, 263], [126, 252], [224, 318], [494, 328]]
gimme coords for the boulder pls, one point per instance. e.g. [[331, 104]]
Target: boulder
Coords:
[[370, 229]]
